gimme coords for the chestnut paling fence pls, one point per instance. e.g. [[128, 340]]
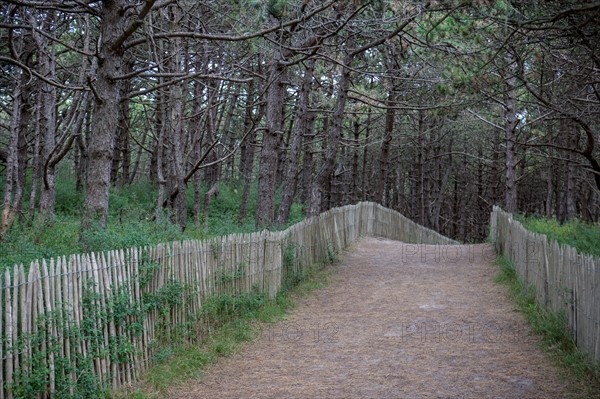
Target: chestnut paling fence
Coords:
[[75, 323], [565, 281]]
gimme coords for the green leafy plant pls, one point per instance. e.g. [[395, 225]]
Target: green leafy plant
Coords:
[[583, 236], [552, 329]]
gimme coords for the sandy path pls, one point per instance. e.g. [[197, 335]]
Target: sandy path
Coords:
[[397, 321]]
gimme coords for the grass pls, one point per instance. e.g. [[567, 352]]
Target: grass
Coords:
[[551, 328], [583, 236], [252, 317], [130, 223]]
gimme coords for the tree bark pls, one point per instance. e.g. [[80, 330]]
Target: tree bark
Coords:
[[302, 120], [247, 162], [365, 159], [13, 188], [106, 107], [572, 136], [271, 139], [159, 152], [228, 132], [214, 176], [510, 133], [354, 183], [308, 159], [335, 133], [384, 158], [122, 152], [47, 97], [118, 21]]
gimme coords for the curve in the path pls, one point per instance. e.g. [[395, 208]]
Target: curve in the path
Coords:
[[397, 321]]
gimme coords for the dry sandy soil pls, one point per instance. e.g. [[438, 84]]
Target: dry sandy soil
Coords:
[[397, 321]]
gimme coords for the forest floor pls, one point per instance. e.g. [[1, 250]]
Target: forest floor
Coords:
[[396, 321]]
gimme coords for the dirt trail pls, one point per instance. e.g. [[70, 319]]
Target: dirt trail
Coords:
[[397, 321]]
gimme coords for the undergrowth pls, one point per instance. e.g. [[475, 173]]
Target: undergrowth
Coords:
[[233, 320], [583, 236], [552, 330], [131, 223]]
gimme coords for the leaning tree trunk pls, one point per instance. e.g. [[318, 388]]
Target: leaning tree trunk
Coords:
[[247, 161], [291, 176], [335, 133], [355, 156], [271, 139], [384, 158], [365, 159], [214, 170], [228, 130], [197, 140], [510, 132]]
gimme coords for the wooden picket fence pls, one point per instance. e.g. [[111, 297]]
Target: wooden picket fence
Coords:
[[564, 280], [82, 321]]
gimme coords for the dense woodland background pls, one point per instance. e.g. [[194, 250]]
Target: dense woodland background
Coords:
[[436, 109]]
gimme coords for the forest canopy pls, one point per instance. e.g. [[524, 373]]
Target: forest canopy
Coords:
[[437, 109]]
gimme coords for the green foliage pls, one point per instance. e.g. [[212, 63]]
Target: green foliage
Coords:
[[131, 223], [43, 239], [225, 307], [32, 379], [293, 275], [132, 234], [277, 8], [229, 276], [332, 255], [580, 235], [69, 201], [236, 319], [74, 375], [552, 329]]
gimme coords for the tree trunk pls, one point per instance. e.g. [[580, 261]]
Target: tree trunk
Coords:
[[302, 120], [384, 158], [247, 164], [13, 188], [354, 183], [138, 158], [159, 152], [176, 131], [548, 205], [335, 133], [245, 145], [36, 162], [570, 191], [510, 132], [271, 139], [81, 156], [308, 158], [228, 132], [23, 150], [283, 149], [122, 152], [365, 182], [420, 182], [47, 66], [106, 107], [211, 136]]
